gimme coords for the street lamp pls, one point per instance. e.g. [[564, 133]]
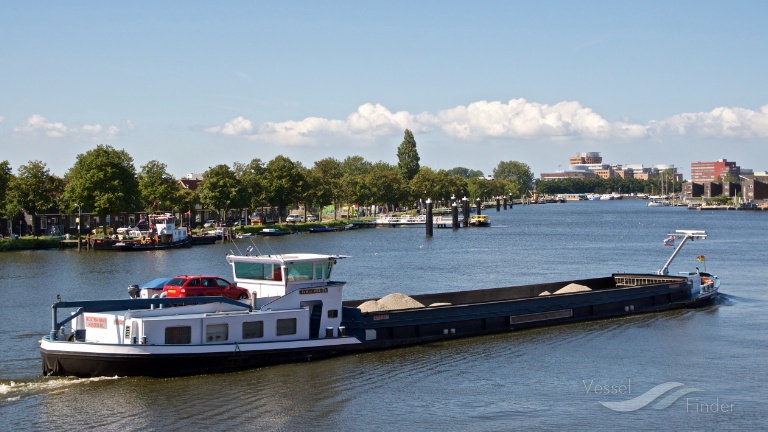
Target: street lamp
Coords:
[[78, 226]]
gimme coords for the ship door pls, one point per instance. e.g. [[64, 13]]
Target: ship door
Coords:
[[315, 315]]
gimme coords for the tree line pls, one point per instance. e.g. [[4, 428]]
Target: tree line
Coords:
[[598, 185], [104, 181]]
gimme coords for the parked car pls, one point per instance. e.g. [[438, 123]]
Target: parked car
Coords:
[[294, 218], [198, 286], [210, 223], [311, 218]]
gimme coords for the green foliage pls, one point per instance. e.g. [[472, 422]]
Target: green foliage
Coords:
[[104, 180], [34, 190], [481, 188], [517, 173], [385, 186], [6, 175], [29, 243], [464, 172], [157, 188], [355, 165], [251, 177], [326, 177], [283, 182], [220, 188], [426, 184], [354, 170], [719, 200], [408, 157], [600, 186]]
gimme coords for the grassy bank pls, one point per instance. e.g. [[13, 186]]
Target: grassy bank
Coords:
[[29, 243]]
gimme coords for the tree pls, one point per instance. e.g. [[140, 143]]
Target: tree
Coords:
[[385, 186], [464, 172], [186, 200], [354, 170], [34, 190], [283, 182], [104, 180], [6, 175], [425, 184], [408, 157], [251, 177], [455, 186], [355, 165], [517, 173], [326, 180], [157, 188], [480, 188], [220, 189]]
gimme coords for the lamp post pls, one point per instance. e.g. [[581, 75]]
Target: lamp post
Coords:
[[78, 226]]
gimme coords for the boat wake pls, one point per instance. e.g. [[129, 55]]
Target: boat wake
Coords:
[[723, 299], [11, 391]]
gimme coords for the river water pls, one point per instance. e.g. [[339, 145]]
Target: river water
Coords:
[[545, 379]]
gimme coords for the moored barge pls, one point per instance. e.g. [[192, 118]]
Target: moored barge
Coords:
[[296, 313]]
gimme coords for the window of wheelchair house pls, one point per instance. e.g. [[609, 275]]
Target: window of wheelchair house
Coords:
[[300, 271]]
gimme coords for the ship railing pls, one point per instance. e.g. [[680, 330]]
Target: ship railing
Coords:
[[127, 304], [628, 281]]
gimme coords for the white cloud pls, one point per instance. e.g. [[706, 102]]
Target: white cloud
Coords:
[[2, 119], [367, 123], [236, 126], [722, 122], [522, 119], [37, 124], [516, 119]]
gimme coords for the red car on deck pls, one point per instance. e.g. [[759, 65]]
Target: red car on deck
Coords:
[[198, 286]]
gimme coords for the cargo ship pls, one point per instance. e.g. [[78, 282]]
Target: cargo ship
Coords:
[[296, 313]]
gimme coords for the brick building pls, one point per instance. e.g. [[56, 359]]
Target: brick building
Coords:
[[702, 172]]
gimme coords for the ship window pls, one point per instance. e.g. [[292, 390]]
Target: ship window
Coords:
[[301, 271], [253, 329], [216, 332], [245, 270], [333, 313], [286, 326], [178, 335], [323, 270]]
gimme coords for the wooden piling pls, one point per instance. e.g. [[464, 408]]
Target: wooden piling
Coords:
[[429, 218], [454, 215]]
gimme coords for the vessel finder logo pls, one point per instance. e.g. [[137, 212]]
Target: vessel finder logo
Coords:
[[663, 395]]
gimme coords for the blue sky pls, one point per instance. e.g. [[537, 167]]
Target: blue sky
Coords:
[[196, 84]]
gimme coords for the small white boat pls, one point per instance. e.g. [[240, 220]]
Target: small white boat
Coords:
[[402, 220], [658, 203]]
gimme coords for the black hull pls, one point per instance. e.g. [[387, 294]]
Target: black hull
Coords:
[[203, 240], [57, 363], [116, 245], [470, 313]]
